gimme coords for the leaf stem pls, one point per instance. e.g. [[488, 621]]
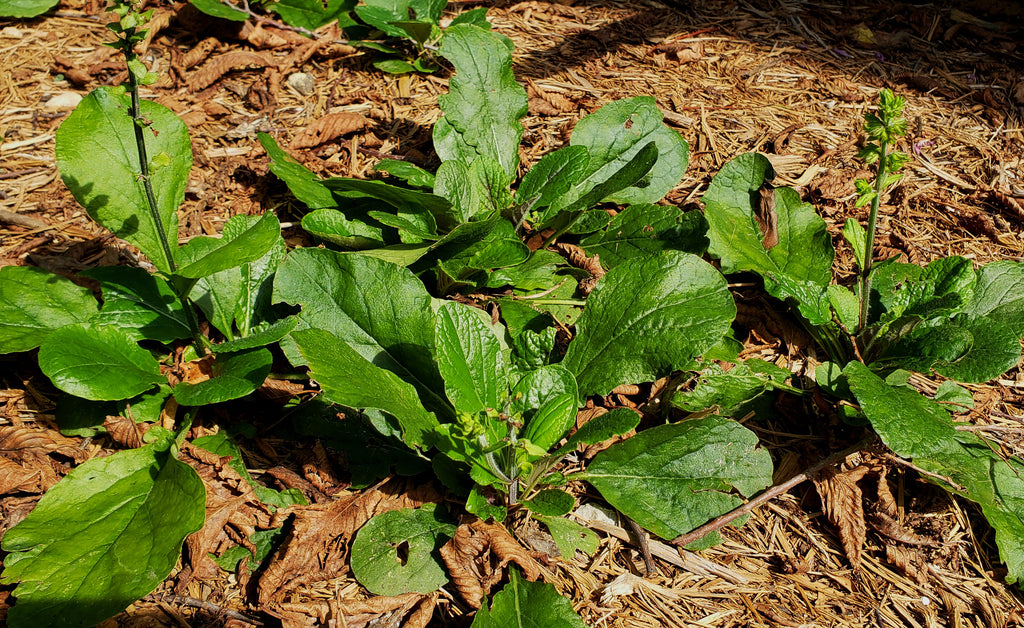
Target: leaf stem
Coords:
[[869, 244]]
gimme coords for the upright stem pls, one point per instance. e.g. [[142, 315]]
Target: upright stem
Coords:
[[869, 244]]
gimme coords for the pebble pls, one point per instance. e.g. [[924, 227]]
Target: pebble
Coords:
[[302, 82], [11, 33], [63, 101]]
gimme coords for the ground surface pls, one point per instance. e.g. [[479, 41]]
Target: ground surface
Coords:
[[791, 80]]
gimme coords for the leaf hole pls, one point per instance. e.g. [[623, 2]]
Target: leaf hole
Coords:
[[402, 553]]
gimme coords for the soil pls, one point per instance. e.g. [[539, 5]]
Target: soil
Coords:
[[791, 80]]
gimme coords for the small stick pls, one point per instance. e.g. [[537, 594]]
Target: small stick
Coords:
[[192, 602], [645, 549], [769, 495]]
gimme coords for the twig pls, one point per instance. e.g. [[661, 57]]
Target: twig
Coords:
[[769, 495], [934, 476], [29, 222], [192, 602], [645, 549]]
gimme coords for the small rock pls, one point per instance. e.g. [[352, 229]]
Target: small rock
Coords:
[[302, 82], [63, 101], [11, 32]]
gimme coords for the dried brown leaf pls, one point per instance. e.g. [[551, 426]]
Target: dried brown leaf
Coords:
[[327, 128], [578, 258], [16, 478], [767, 219], [909, 561], [477, 555], [540, 107], [124, 431], [220, 65], [410, 610], [887, 526], [318, 544], [843, 503], [17, 439], [886, 501]]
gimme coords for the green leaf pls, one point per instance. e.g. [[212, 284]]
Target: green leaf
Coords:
[[380, 310], [647, 230], [405, 201], [799, 266], [223, 10], [613, 423], [99, 162], [857, 238], [415, 30], [994, 349], [917, 428], [551, 502], [381, 13], [310, 14], [410, 173], [646, 318], [845, 304], [532, 334], [234, 376], [614, 134], [472, 361], [263, 540], [732, 391], [953, 393], [104, 536], [98, 362], [570, 537], [239, 297], [428, 10], [940, 289], [34, 303], [483, 108], [306, 186], [260, 336], [999, 295], [396, 552], [204, 256], [522, 604], [477, 503], [672, 478], [223, 445], [26, 8], [348, 378], [332, 226], [477, 17], [142, 304], [551, 178]]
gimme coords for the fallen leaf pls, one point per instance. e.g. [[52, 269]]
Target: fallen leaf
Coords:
[[477, 555], [843, 503], [327, 128]]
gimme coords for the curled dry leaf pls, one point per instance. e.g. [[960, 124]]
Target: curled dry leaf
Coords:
[[767, 219], [889, 527], [15, 439], [222, 64], [540, 107], [910, 561], [578, 258], [327, 128], [476, 556], [201, 51], [409, 610], [843, 503], [16, 478], [321, 534], [886, 501], [124, 431]]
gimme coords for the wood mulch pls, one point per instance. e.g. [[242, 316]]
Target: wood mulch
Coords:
[[789, 79]]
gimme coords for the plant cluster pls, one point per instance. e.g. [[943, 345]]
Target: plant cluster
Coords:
[[487, 403]]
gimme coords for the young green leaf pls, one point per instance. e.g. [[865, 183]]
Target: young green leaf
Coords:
[[570, 537], [646, 318], [347, 295], [551, 178], [102, 169], [410, 173], [472, 360], [264, 541], [917, 428], [34, 303], [799, 266], [101, 538], [614, 134], [396, 551], [404, 201], [204, 256], [483, 108], [672, 478], [139, 303], [953, 393], [551, 502], [857, 238], [234, 376], [348, 378], [100, 363], [306, 186], [310, 14], [613, 423], [648, 229], [525, 604]]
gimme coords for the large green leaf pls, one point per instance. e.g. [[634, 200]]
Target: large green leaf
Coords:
[[306, 186], [100, 363], [916, 427], [99, 162], [103, 537], [525, 604], [799, 266], [379, 309], [34, 303], [140, 303], [348, 378], [646, 318], [25, 8], [672, 478], [647, 229], [472, 361], [614, 134], [396, 551], [404, 200], [245, 242], [237, 297], [999, 295], [482, 111], [234, 376]]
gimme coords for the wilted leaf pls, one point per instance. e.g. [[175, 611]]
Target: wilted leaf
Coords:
[[477, 555]]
